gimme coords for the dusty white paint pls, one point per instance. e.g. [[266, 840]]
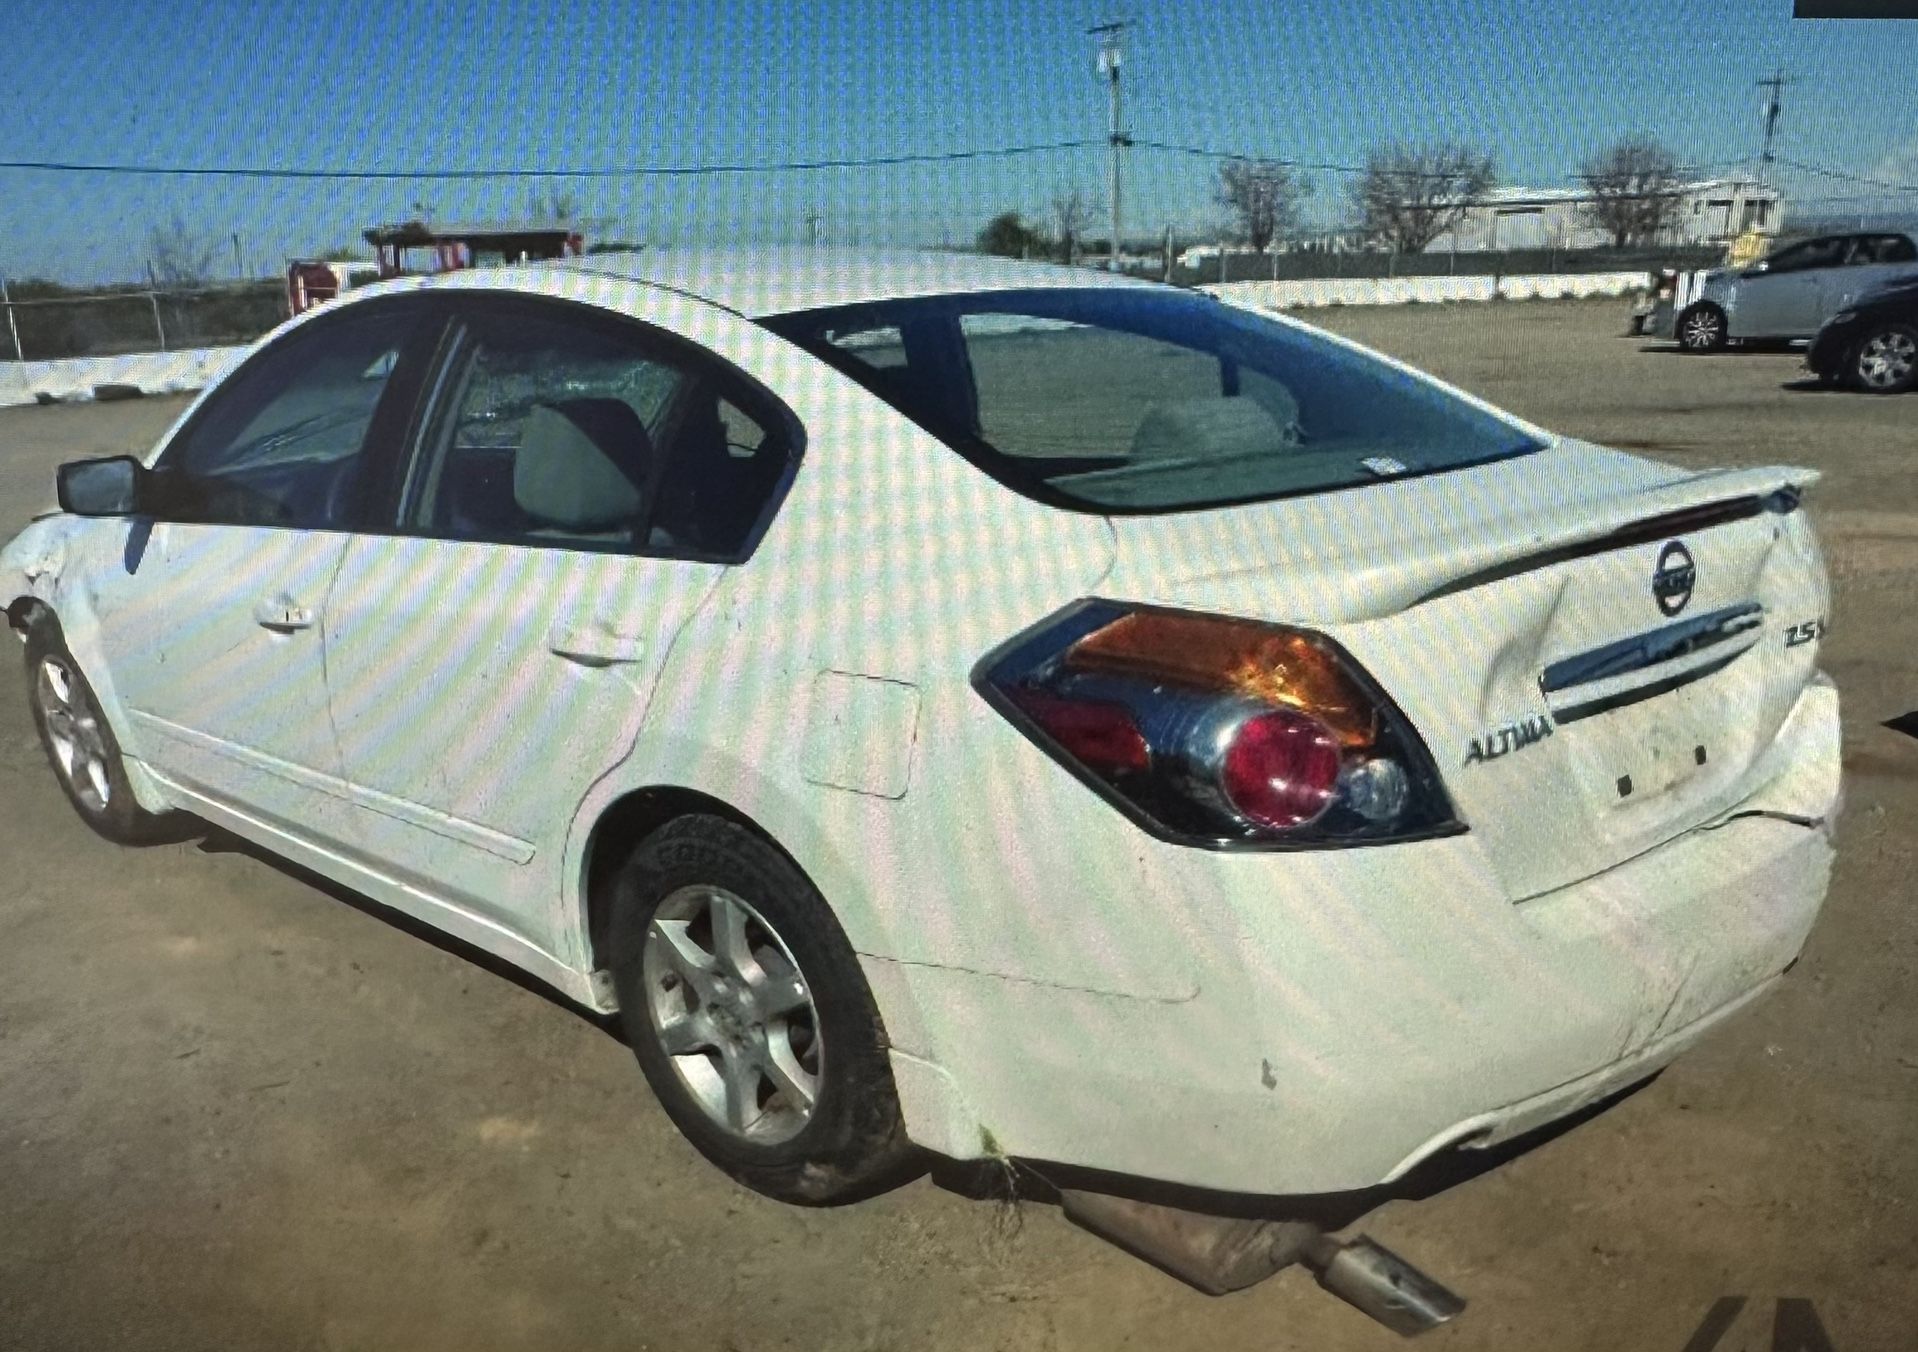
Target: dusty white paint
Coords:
[[1054, 982], [1401, 290], [149, 372]]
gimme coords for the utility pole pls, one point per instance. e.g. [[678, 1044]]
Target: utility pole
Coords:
[[812, 225], [1110, 36], [1774, 88]]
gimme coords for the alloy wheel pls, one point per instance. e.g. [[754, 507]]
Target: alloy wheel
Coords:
[[734, 1014], [73, 732], [1886, 359], [1702, 330]]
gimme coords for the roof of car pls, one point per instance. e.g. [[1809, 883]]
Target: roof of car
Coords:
[[770, 281]]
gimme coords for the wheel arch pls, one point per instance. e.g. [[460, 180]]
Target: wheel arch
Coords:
[[626, 820], [23, 612]]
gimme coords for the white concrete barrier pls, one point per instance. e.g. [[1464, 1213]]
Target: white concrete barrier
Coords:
[[1401, 290], [149, 372]]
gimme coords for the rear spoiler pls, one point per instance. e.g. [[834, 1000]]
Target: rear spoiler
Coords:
[[1697, 503]]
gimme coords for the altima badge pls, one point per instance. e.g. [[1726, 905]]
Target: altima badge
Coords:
[[1674, 577], [1512, 737]]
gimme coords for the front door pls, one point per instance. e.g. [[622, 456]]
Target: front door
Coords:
[[492, 659], [214, 635]]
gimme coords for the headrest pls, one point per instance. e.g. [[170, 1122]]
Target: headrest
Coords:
[[1218, 425], [582, 464]]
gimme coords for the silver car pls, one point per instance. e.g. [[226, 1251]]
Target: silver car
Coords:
[[1791, 293]]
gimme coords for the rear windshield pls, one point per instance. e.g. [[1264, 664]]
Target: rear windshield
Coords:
[[1146, 400]]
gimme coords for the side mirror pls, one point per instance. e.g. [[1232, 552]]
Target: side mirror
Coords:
[[111, 487]]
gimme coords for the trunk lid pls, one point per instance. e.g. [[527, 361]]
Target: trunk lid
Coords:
[[1596, 649]]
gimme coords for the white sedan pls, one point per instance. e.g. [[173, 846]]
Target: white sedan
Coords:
[[970, 706]]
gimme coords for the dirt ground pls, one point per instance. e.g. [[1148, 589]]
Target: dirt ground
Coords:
[[242, 1110]]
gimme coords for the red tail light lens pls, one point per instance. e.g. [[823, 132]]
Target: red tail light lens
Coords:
[[1281, 769], [1099, 733], [1217, 731]]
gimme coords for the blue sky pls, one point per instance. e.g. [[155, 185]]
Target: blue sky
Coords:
[[458, 84]]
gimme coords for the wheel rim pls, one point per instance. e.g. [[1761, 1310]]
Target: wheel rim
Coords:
[[1886, 359], [734, 1014], [1701, 329], [74, 734]]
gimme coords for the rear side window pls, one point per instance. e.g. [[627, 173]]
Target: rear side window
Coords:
[[1149, 400], [1872, 249], [567, 431]]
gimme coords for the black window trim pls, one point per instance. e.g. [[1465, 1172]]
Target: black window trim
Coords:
[[386, 433], [703, 366]]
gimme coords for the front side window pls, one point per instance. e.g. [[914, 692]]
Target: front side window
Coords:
[[566, 432], [1816, 253], [1149, 400], [285, 441]]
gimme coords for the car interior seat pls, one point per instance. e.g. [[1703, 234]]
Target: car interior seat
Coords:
[[582, 468]]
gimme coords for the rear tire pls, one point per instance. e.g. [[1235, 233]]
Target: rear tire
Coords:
[[1702, 328], [81, 747], [1886, 360], [747, 1011]]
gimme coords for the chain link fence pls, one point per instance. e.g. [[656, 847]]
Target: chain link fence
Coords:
[[43, 322]]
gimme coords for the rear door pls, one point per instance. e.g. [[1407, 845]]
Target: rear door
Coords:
[[1873, 261], [215, 624], [578, 488]]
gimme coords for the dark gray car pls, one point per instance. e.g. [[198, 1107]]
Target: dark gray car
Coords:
[[1794, 291]]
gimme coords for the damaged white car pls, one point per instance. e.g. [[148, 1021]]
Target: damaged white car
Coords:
[[974, 707]]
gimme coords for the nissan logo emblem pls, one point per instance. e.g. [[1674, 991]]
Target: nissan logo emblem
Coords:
[[1674, 577]]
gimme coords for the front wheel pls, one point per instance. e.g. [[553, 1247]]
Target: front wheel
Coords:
[[81, 746], [747, 1011], [1702, 328], [1886, 362]]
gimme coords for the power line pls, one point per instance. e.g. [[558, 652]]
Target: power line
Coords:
[[628, 171], [1844, 177]]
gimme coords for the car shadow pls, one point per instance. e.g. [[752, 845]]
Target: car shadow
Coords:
[[217, 840]]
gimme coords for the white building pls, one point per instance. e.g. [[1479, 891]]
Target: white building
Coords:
[[1711, 211]]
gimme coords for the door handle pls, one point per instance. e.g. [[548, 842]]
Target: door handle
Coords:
[[282, 614], [594, 645]]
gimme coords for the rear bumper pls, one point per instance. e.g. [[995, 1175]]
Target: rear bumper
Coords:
[[1340, 1033]]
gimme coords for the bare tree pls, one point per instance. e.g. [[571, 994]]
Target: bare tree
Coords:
[[554, 206], [1634, 186], [1264, 197], [177, 256], [1410, 195], [1071, 213]]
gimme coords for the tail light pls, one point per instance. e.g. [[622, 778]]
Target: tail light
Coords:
[[1215, 731]]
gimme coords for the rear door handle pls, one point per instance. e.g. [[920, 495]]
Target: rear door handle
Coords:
[[282, 614], [594, 645]]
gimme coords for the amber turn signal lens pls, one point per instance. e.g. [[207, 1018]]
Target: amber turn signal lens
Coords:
[[1203, 652]]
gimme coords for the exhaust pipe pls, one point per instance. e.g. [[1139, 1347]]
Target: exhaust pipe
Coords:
[[1221, 1254], [1373, 1280]]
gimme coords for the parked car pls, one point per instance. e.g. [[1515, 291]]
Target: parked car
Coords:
[[1789, 294], [966, 705], [1872, 344]]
